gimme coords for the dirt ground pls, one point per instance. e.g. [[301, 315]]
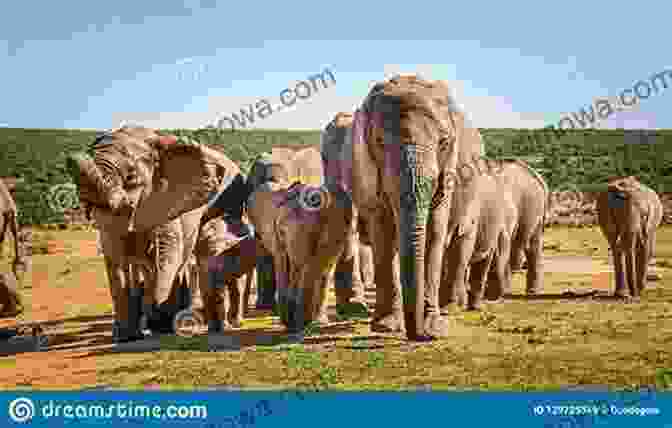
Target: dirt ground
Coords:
[[546, 342]]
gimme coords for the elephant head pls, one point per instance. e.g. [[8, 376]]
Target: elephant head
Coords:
[[155, 177], [416, 135]]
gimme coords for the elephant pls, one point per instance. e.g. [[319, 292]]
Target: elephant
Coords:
[[406, 138], [148, 192], [8, 218], [302, 164], [304, 228], [366, 264], [482, 221], [531, 197], [226, 260], [11, 303], [629, 212]]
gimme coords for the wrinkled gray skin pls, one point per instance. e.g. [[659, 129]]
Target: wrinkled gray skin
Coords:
[[224, 277], [366, 264], [146, 189], [482, 220], [307, 166], [407, 134], [629, 213], [531, 197], [8, 220], [306, 244]]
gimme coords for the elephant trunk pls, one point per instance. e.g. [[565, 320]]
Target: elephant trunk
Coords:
[[415, 200], [93, 188]]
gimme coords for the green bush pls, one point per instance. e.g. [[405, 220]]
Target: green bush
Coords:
[[566, 161]]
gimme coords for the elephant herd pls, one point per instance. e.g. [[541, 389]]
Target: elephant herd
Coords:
[[384, 199]]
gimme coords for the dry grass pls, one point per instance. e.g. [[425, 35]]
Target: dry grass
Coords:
[[515, 345]]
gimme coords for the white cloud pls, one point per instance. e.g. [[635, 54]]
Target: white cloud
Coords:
[[315, 112]]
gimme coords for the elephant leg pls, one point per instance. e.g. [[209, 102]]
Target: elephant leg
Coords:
[[366, 264], [518, 251], [126, 327], [247, 291], [237, 299], [388, 316], [535, 268], [282, 277], [455, 266], [619, 273], [642, 258], [498, 276], [3, 231], [18, 263], [348, 283], [478, 273], [214, 292], [266, 287], [322, 316], [630, 266], [197, 297]]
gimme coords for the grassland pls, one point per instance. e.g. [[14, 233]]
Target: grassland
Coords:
[[542, 344]]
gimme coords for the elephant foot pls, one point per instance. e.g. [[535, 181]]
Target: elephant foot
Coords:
[[532, 291], [352, 309], [621, 294], [158, 321], [436, 326], [217, 326], [475, 306], [125, 335], [492, 296], [391, 323]]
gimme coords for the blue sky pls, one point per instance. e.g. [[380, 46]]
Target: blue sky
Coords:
[[185, 63]]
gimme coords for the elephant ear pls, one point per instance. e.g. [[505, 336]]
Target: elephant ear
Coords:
[[191, 176]]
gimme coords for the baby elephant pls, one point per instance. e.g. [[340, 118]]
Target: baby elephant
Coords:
[[482, 221], [629, 213]]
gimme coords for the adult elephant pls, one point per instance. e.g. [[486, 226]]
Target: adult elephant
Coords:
[[531, 197], [629, 212], [150, 189], [8, 219], [407, 139]]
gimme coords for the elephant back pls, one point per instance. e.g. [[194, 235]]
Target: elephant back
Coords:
[[336, 151]]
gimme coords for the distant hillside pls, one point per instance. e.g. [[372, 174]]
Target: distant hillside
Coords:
[[566, 161]]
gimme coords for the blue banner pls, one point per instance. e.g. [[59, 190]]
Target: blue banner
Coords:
[[227, 409]]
